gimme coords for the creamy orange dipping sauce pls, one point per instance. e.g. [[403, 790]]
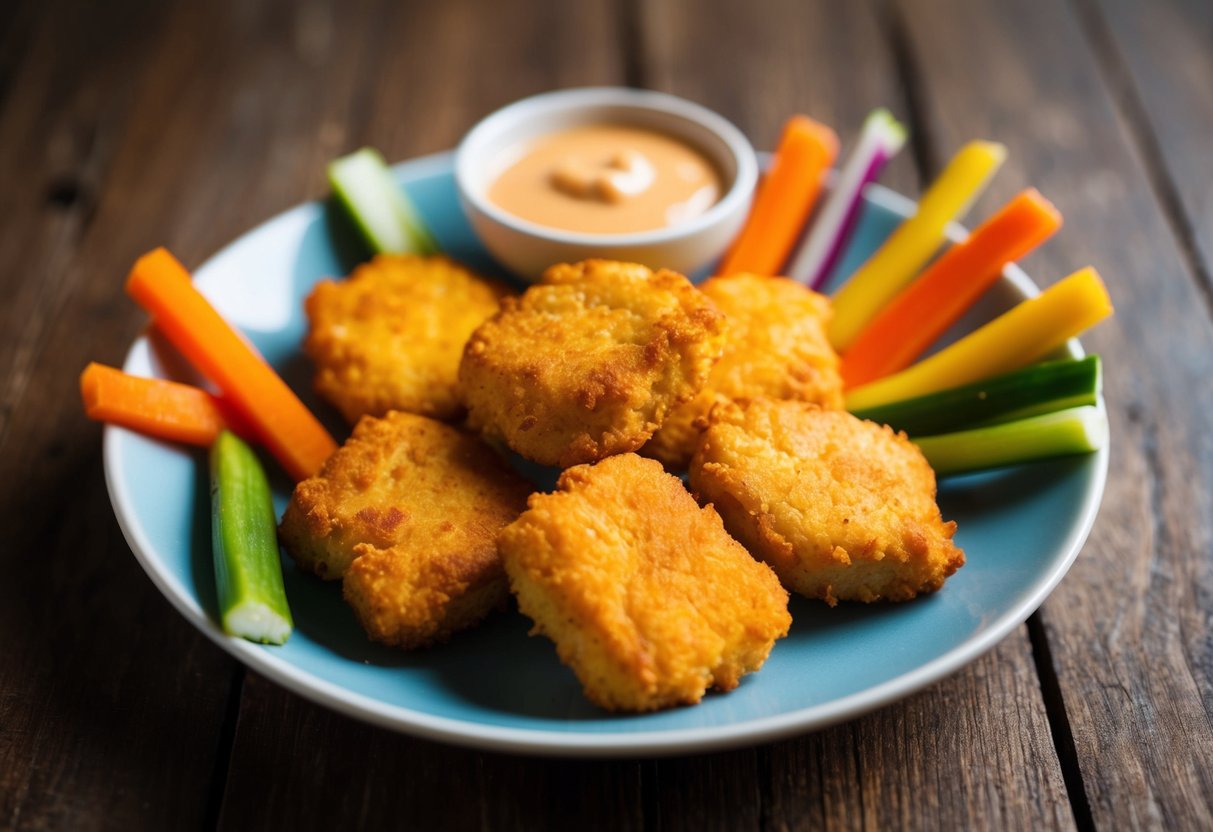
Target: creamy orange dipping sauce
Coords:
[[607, 179]]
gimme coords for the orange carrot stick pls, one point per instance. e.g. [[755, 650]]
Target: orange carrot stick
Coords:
[[785, 198], [290, 432], [923, 311], [154, 406]]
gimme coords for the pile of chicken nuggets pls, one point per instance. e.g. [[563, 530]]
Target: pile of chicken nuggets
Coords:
[[624, 378]]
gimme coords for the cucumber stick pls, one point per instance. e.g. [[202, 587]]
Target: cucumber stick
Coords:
[[248, 572], [365, 187], [1040, 388], [1064, 432]]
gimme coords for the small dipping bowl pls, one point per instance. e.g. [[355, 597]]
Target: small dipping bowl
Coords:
[[527, 248]]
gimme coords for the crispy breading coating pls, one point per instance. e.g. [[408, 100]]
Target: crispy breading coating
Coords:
[[588, 363], [775, 347], [842, 509], [407, 512], [647, 598], [391, 335]]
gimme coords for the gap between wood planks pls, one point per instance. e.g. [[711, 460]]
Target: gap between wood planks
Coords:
[[1132, 110], [923, 144], [928, 161], [217, 788], [1059, 723], [631, 39]]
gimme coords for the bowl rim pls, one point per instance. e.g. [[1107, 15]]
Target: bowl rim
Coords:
[[738, 195]]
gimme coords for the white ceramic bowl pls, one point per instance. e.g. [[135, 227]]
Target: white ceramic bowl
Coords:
[[528, 248]]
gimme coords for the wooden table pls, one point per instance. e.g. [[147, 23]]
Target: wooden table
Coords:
[[134, 123]]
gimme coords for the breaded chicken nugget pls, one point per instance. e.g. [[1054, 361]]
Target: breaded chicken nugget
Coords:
[[646, 596], [842, 509], [390, 336], [407, 511], [775, 346], [588, 363]]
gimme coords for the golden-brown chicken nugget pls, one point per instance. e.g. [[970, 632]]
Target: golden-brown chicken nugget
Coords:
[[775, 347], [588, 363], [647, 598], [842, 509], [391, 335], [407, 512]]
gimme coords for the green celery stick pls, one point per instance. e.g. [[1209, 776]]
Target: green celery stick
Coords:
[[1078, 430], [248, 572], [389, 222], [1040, 388]]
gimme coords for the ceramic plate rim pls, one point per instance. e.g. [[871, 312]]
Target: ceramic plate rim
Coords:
[[589, 744]]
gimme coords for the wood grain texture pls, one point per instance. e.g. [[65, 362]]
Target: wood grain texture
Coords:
[[1159, 59], [894, 769], [758, 63], [330, 771], [971, 752], [110, 705], [1129, 628]]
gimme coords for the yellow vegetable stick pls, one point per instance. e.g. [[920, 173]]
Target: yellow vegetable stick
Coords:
[[903, 255], [1014, 339]]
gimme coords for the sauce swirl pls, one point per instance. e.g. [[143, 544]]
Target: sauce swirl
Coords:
[[607, 179]]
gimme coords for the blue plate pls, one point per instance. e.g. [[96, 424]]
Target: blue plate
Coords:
[[496, 688]]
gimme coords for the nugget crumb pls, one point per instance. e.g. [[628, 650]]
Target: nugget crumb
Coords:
[[775, 347], [647, 598], [589, 362], [390, 336], [842, 509], [407, 512]]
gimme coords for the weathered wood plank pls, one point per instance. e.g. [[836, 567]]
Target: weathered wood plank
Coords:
[[1129, 628], [52, 157], [328, 770], [894, 769], [465, 59], [110, 705], [1159, 57], [758, 64], [962, 754]]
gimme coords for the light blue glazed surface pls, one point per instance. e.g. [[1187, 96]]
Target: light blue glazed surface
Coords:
[[494, 686]]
